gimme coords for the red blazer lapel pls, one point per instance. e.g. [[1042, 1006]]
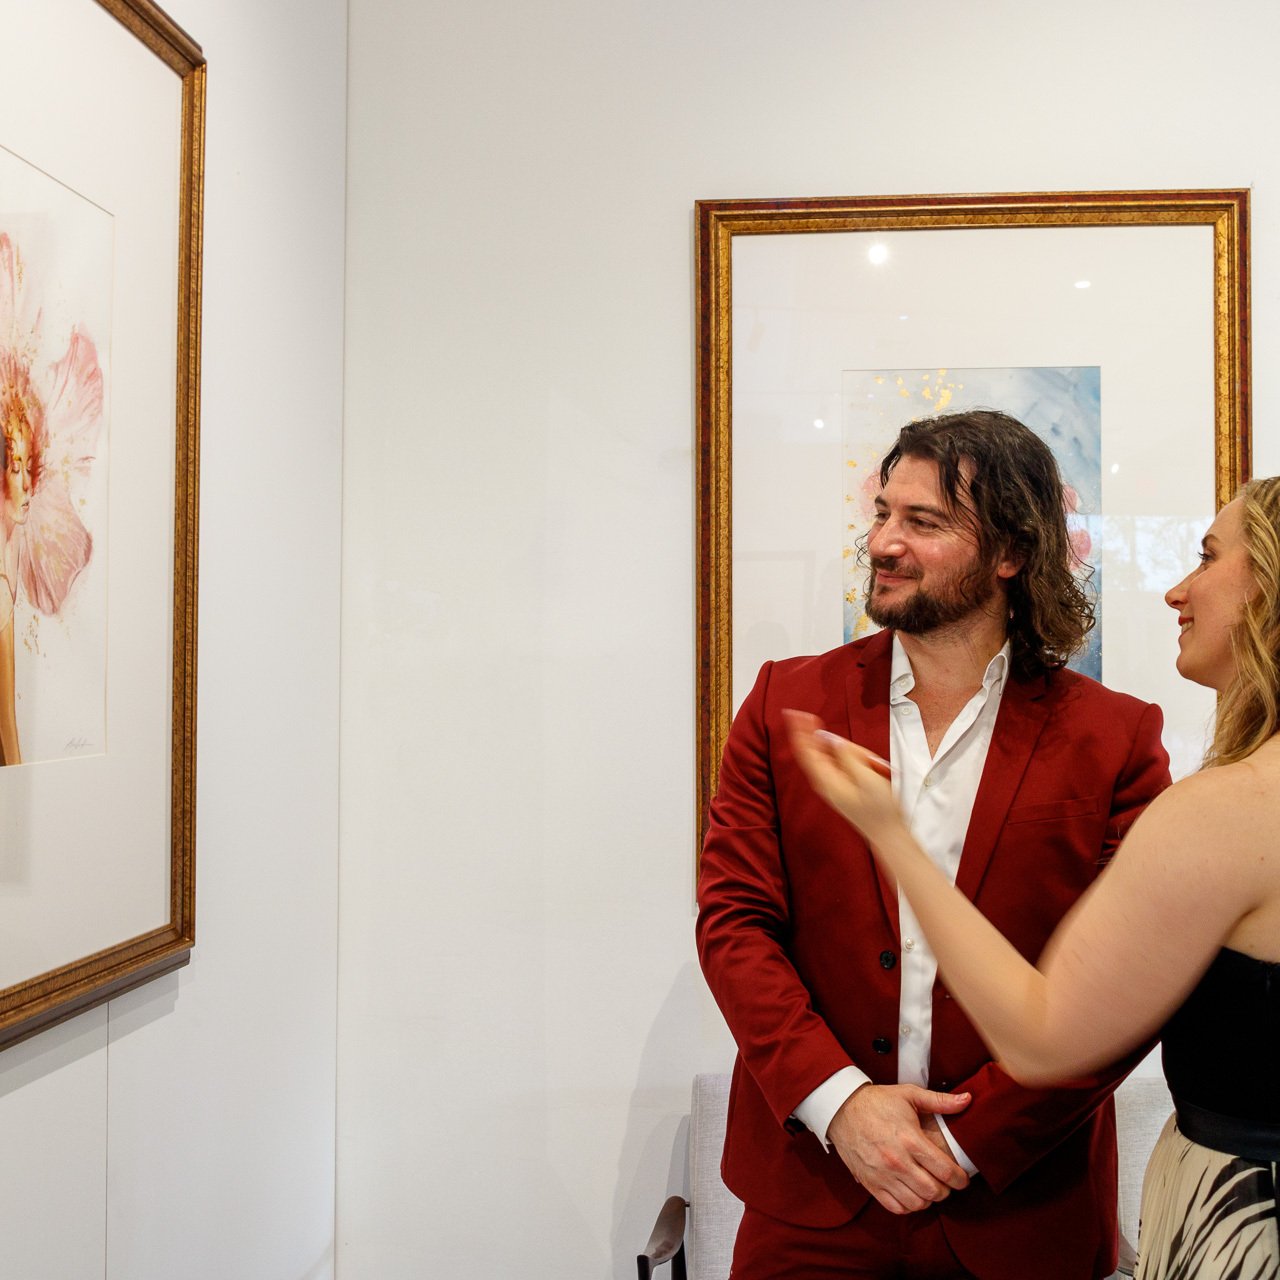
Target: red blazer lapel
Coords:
[[1023, 711], [867, 694]]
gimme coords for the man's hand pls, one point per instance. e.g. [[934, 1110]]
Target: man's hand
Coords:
[[891, 1143]]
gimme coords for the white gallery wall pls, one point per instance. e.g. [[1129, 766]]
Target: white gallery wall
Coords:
[[499, 968], [519, 1007], [186, 1130]]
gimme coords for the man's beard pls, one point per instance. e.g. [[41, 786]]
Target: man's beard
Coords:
[[954, 598]]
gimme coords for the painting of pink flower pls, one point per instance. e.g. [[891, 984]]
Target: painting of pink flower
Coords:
[[51, 418]]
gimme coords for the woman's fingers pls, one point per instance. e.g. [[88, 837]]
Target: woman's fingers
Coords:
[[852, 755], [816, 747], [853, 780], [803, 729]]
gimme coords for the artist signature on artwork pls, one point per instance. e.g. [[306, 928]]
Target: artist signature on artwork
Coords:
[[77, 744]]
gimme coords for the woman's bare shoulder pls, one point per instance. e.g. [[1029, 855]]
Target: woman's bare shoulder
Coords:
[[1234, 800]]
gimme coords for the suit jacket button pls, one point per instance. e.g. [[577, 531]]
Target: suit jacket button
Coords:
[[882, 1045], [888, 960]]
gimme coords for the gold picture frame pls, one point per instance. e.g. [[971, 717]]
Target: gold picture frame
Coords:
[[1221, 264], [98, 873]]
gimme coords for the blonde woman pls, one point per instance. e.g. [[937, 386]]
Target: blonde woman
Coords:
[[1180, 938]]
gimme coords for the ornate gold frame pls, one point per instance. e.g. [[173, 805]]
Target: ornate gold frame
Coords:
[[33, 1004], [720, 221]]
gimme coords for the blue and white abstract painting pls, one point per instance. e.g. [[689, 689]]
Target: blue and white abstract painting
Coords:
[[1062, 405]]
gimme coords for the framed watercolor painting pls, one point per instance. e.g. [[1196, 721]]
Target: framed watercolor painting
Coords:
[[1115, 324], [101, 172]]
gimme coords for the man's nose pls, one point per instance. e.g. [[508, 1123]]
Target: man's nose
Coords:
[[883, 537]]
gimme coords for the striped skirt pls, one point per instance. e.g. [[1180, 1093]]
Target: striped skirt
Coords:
[[1206, 1215]]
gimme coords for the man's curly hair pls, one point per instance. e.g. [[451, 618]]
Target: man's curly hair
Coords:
[[1014, 499]]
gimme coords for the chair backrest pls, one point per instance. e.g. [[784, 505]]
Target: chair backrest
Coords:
[[1142, 1106], [714, 1211]]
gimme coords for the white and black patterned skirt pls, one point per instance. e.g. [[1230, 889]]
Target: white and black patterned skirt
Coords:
[[1206, 1215]]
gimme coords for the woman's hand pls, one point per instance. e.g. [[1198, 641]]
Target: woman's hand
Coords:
[[853, 781]]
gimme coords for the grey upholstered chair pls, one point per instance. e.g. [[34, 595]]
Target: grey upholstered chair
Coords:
[[695, 1232]]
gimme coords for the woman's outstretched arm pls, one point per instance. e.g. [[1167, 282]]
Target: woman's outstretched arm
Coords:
[[1125, 956]]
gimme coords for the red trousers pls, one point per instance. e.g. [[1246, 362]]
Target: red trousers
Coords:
[[876, 1245]]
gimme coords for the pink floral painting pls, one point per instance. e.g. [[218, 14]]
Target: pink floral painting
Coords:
[[51, 429]]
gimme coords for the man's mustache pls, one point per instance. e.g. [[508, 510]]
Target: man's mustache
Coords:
[[881, 564]]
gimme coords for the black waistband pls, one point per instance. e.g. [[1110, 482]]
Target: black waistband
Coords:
[[1248, 1139]]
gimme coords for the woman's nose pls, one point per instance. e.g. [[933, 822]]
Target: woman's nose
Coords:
[[1176, 596]]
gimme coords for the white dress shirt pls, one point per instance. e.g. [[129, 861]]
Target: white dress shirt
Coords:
[[936, 792]]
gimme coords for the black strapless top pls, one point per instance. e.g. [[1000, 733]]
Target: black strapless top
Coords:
[[1221, 1054]]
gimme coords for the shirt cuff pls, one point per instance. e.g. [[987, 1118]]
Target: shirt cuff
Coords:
[[818, 1110], [956, 1149]]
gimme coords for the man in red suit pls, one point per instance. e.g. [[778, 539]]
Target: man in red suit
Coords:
[[869, 1132]]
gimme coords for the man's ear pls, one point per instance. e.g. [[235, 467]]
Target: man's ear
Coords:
[[1009, 565]]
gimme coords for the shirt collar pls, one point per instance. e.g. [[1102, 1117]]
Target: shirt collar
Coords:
[[902, 679]]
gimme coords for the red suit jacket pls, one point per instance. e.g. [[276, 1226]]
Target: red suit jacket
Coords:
[[798, 937]]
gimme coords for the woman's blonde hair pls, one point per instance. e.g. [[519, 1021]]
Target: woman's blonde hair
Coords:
[[1249, 710]]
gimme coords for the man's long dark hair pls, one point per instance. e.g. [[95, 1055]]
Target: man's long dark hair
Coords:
[[1016, 497]]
